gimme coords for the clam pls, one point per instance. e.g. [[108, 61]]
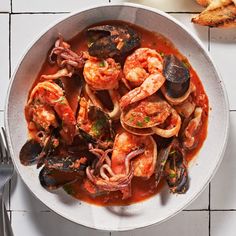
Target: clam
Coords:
[[151, 115]]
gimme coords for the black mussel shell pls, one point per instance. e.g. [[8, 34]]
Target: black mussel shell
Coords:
[[52, 179], [112, 41], [65, 164], [30, 152], [101, 132], [175, 170], [177, 76], [161, 161]]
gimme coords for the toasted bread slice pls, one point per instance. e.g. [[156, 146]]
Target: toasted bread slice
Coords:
[[204, 3], [220, 13]]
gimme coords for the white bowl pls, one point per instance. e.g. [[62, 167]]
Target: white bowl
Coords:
[[164, 205]]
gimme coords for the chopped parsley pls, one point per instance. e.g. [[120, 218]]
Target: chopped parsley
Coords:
[[172, 175], [98, 126], [131, 119], [147, 119], [102, 63], [139, 124]]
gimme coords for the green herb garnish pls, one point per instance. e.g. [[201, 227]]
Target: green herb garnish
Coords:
[[172, 175], [131, 119], [139, 124], [102, 63], [147, 119], [98, 126]]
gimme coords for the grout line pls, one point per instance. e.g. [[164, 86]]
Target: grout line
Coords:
[[209, 39], [196, 210], [183, 12], [1, 110], [109, 233], [38, 13], [215, 210], [209, 226], [9, 50], [209, 208], [4, 12], [11, 218], [232, 110], [11, 5], [9, 193]]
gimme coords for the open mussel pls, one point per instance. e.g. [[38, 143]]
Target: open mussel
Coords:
[[33, 152], [172, 165], [112, 41], [52, 179], [97, 127], [59, 171], [30, 152]]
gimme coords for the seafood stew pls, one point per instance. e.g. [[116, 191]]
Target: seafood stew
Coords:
[[115, 113]]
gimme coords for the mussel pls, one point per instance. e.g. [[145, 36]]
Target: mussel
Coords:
[[100, 131], [177, 76], [172, 165], [61, 170], [30, 152], [33, 152], [111, 41], [52, 179]]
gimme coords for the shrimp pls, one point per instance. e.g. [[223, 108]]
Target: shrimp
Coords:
[[126, 143], [47, 101], [102, 74], [143, 70]]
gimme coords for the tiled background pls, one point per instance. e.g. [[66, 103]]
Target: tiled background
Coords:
[[213, 213]]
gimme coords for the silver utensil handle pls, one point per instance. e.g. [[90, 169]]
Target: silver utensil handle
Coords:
[[5, 225]]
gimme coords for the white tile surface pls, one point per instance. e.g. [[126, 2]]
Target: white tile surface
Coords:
[[167, 5], [202, 202], [223, 50], [223, 186], [1, 118], [25, 28], [185, 224], [5, 6], [4, 58], [22, 199], [223, 223], [48, 224], [52, 5]]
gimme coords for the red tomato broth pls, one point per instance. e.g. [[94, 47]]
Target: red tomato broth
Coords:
[[141, 189]]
